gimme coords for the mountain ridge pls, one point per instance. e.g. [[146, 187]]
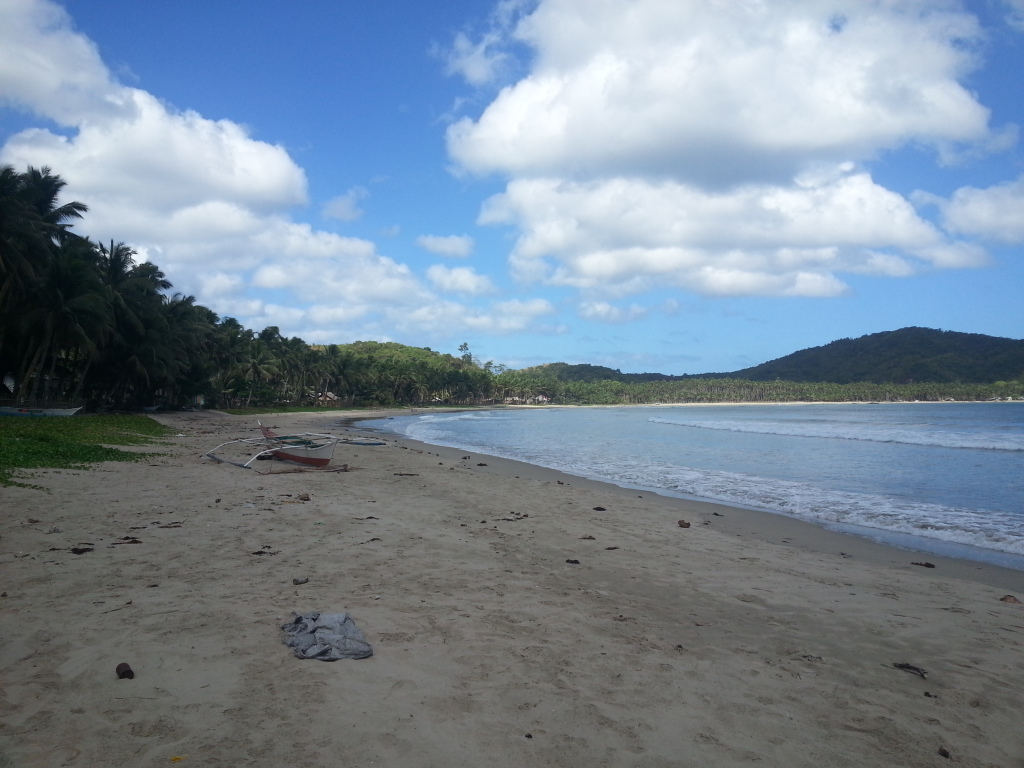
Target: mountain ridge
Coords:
[[906, 355]]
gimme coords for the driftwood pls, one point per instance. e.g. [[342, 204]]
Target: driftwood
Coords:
[[912, 669]]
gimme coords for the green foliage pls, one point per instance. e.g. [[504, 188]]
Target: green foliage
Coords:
[[34, 442], [698, 390], [904, 356], [587, 372]]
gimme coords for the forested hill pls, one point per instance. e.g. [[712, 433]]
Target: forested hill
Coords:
[[906, 356], [909, 355], [587, 372]]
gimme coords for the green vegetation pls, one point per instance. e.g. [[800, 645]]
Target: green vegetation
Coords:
[[587, 372], [906, 356], [701, 390], [82, 322], [27, 442]]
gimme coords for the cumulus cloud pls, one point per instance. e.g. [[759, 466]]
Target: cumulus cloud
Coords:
[[721, 146], [714, 91], [628, 235], [346, 207], [994, 213], [162, 160], [454, 246], [50, 69], [464, 280]]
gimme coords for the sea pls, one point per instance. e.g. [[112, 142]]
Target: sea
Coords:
[[945, 478]]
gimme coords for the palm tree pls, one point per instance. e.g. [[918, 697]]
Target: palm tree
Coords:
[[31, 225], [68, 313], [261, 366]]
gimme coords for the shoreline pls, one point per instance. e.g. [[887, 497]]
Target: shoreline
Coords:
[[517, 617], [762, 525]]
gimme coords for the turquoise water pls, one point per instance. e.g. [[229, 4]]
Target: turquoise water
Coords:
[[940, 477]]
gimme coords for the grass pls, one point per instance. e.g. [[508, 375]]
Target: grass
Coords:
[[70, 443]]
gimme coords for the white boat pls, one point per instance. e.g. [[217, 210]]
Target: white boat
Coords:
[[307, 448]]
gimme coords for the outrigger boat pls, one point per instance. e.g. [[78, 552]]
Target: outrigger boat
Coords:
[[309, 448]]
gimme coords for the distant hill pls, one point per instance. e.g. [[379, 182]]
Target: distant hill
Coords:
[[909, 355], [587, 372]]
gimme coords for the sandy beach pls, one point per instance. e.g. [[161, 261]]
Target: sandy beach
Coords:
[[518, 617]]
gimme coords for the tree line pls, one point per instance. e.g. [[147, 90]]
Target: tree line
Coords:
[[84, 322]]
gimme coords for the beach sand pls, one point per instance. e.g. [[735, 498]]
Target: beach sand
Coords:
[[746, 638]]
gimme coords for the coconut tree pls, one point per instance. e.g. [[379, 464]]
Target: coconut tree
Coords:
[[32, 223], [66, 312], [260, 367]]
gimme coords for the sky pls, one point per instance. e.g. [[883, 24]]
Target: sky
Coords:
[[680, 187]]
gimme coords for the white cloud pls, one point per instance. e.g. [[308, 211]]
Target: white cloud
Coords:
[[50, 69], [995, 213], [720, 146], [478, 62], [161, 160], [346, 207], [603, 312], [464, 280], [628, 235], [716, 91], [454, 246], [486, 59]]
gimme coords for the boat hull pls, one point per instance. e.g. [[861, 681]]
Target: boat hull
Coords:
[[318, 456], [303, 451]]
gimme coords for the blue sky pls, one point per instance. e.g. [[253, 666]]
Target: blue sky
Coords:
[[678, 187]]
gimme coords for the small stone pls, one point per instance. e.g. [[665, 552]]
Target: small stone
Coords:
[[303, 580], [683, 524], [1010, 599]]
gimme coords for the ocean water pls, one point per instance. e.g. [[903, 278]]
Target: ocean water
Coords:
[[946, 478]]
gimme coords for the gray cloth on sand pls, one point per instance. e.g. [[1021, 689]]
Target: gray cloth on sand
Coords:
[[325, 636]]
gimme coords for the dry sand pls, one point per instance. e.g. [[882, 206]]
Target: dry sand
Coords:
[[750, 639]]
